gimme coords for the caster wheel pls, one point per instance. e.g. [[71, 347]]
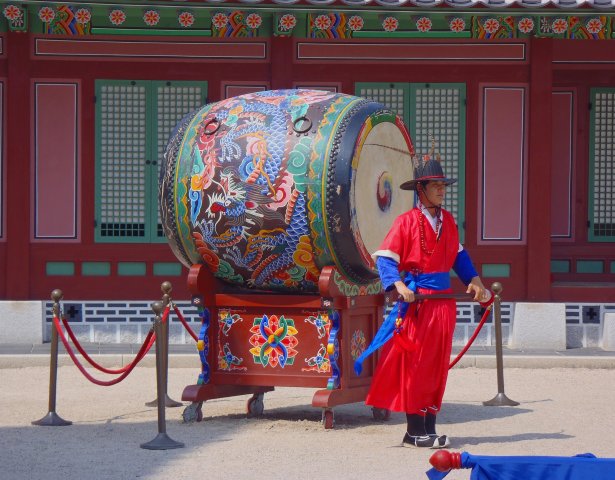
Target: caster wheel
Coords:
[[193, 412], [381, 414], [328, 419], [255, 405]]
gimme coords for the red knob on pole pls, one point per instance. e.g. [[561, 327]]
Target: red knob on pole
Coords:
[[443, 460]]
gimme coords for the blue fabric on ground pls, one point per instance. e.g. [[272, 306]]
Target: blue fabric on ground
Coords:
[[581, 467]]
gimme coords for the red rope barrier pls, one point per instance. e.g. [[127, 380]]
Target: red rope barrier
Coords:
[[183, 320], [147, 345], [58, 326], [476, 332]]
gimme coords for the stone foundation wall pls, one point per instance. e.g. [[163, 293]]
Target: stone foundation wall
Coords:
[[129, 322]]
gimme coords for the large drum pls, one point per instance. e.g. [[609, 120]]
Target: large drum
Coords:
[[268, 188]]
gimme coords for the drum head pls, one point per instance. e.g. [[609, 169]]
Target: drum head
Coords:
[[382, 162]]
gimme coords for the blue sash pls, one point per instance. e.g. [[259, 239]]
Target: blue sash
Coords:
[[431, 281]]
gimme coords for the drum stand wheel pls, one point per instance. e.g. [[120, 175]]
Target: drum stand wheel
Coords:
[[193, 412], [381, 414], [255, 405], [328, 418]]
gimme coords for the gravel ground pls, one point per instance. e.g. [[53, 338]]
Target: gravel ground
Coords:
[[560, 414]]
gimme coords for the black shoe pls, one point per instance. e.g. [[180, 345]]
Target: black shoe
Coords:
[[439, 441], [421, 441]]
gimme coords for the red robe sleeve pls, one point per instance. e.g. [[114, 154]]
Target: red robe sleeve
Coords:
[[395, 244]]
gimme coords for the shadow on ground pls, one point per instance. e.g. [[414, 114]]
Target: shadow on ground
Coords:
[[471, 412], [461, 442], [358, 415], [99, 449]]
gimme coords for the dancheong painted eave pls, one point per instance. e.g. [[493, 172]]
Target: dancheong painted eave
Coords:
[[531, 4], [602, 4]]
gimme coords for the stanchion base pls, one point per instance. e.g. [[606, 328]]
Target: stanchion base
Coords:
[[168, 402], [162, 442], [500, 400], [52, 419]]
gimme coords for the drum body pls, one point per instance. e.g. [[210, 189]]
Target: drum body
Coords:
[[268, 188]]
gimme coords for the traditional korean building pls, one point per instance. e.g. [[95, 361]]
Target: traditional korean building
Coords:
[[520, 96]]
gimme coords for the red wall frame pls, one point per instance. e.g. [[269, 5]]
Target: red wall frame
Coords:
[[281, 69]]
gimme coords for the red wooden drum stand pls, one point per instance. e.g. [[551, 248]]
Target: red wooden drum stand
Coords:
[[251, 343]]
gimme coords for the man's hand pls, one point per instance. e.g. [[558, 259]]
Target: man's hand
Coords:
[[405, 292], [481, 294]]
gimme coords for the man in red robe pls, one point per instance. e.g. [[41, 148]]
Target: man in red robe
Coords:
[[423, 243]]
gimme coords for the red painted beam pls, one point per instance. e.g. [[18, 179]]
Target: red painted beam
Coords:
[[281, 67], [539, 171], [18, 159]]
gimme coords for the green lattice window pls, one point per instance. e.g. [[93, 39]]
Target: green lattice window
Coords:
[[602, 166], [134, 120], [394, 95], [438, 109]]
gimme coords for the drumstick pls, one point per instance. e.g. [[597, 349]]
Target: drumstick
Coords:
[[426, 296], [398, 150]]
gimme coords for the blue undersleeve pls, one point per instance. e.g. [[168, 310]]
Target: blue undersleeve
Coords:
[[463, 267], [388, 271]]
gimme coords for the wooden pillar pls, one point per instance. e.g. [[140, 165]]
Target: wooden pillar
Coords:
[[281, 61], [18, 132], [539, 171]]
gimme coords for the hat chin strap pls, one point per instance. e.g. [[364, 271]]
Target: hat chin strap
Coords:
[[422, 190]]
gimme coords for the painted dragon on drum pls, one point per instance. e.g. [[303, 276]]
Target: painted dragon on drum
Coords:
[[255, 190], [246, 180]]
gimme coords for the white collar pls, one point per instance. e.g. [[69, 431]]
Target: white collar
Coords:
[[428, 216]]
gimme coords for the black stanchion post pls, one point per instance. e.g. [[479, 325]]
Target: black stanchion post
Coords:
[[162, 440], [52, 419], [166, 288], [500, 400]]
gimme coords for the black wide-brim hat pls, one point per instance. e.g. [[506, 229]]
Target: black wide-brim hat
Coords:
[[431, 170]]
